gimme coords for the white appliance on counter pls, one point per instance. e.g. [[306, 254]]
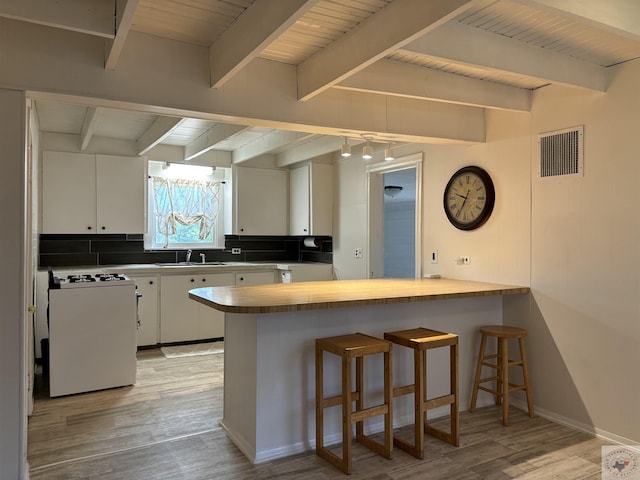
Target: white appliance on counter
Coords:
[[92, 332]]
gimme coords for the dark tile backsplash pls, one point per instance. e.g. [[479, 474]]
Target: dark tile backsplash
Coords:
[[80, 250]]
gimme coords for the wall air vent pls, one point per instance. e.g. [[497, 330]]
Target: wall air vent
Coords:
[[561, 152]]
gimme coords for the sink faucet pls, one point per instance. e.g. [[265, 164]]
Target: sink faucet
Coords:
[[188, 255], [202, 258]]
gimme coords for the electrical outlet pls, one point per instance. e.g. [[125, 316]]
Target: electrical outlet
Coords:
[[358, 253], [236, 251], [466, 260], [434, 256]]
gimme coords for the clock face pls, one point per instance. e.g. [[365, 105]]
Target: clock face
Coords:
[[469, 198]]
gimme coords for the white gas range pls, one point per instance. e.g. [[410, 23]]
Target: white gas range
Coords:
[[92, 332]]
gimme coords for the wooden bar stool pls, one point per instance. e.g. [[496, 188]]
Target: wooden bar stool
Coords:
[[421, 340], [355, 345], [503, 387]]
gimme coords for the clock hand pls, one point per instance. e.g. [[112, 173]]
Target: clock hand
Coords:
[[461, 196], [464, 201]]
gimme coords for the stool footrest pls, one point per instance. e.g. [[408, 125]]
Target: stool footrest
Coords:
[[439, 401], [442, 435], [369, 412], [337, 400], [406, 390]]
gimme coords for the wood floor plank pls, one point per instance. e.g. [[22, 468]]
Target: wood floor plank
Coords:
[[166, 427]]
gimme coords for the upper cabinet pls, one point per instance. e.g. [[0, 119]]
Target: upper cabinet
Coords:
[[311, 200], [87, 193], [260, 201]]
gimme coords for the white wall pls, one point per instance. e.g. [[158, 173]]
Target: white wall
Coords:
[[585, 275], [12, 355]]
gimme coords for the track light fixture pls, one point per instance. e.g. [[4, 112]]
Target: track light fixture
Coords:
[[388, 154], [346, 149], [367, 151]]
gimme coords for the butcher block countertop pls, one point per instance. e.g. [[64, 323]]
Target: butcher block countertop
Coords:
[[291, 297]]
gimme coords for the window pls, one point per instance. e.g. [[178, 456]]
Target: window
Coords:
[[185, 207]]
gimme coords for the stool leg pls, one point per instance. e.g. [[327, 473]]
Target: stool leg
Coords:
[[455, 411], [498, 372], [503, 361], [319, 401], [419, 372], [346, 415], [360, 397], [525, 376], [476, 383], [388, 399]]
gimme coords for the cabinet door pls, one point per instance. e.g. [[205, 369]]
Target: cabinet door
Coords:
[[321, 199], [210, 320], [178, 313], [120, 194], [68, 193], [255, 278], [261, 204], [147, 310], [183, 319], [299, 201]]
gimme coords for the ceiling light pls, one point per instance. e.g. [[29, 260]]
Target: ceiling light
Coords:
[[346, 149], [388, 154], [367, 151], [392, 190]]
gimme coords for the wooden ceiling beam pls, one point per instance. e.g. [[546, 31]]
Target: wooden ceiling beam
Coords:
[[270, 143], [397, 24], [436, 85], [89, 125], [124, 19], [209, 139], [160, 129], [256, 28], [462, 44]]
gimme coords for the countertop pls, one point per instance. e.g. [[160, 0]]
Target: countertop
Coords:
[[342, 293]]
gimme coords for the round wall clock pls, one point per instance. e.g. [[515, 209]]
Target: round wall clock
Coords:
[[469, 197]]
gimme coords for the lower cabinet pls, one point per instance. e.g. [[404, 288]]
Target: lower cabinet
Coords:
[[147, 310], [183, 319], [255, 278]]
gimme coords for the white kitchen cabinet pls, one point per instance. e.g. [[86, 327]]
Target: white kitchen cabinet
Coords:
[[147, 310], [255, 278], [260, 201], [305, 272], [87, 193], [120, 194], [183, 319], [311, 200], [68, 192]]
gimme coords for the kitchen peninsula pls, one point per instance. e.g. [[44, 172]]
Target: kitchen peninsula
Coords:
[[269, 398]]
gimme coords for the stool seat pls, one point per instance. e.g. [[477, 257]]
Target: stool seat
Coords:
[[348, 347], [503, 387], [420, 340]]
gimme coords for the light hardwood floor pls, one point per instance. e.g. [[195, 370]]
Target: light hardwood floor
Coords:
[[167, 427]]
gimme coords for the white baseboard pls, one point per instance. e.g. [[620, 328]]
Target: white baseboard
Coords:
[[576, 425]]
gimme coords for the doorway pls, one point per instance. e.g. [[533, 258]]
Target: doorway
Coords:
[[394, 218]]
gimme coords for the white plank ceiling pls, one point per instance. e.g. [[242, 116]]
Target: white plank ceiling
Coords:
[[386, 47]]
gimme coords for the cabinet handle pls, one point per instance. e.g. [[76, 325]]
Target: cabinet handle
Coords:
[[304, 229], [150, 282], [242, 229], [242, 279], [193, 280], [88, 228], [204, 279], [103, 227]]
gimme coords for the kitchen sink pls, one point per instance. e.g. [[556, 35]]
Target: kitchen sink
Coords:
[[189, 264]]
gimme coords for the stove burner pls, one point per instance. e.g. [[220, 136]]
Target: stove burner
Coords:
[[109, 277], [80, 278]]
